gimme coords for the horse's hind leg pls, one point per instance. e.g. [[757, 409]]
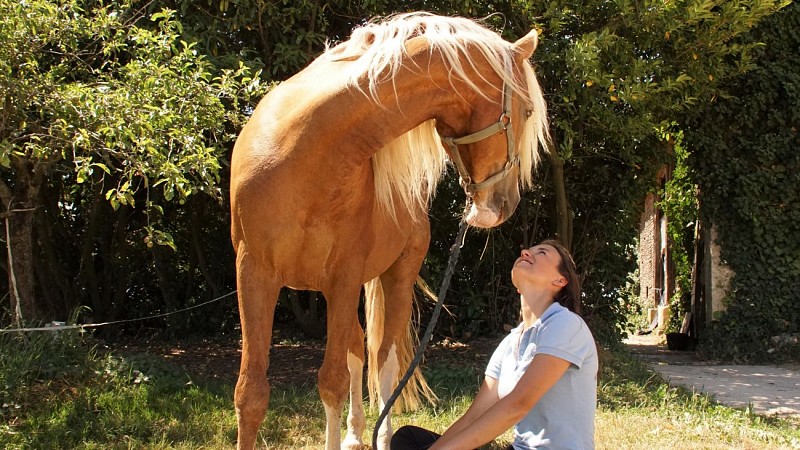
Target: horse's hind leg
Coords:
[[356, 419], [396, 346], [258, 295]]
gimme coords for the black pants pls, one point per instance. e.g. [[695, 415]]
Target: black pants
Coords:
[[410, 437]]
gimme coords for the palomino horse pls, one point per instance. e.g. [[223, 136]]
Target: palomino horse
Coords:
[[330, 182]]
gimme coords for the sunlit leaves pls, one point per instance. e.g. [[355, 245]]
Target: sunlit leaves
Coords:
[[131, 107]]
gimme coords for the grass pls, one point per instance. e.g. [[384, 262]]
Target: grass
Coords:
[[56, 391]]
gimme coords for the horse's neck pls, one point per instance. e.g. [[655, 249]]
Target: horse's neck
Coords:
[[361, 125]]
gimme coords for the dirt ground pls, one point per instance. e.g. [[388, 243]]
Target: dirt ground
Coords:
[[291, 363], [769, 390]]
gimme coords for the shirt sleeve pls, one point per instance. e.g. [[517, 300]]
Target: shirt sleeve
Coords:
[[566, 336]]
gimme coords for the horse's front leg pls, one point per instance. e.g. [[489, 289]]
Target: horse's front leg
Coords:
[[334, 375], [258, 294]]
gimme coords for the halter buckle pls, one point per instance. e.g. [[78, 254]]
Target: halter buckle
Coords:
[[504, 120]]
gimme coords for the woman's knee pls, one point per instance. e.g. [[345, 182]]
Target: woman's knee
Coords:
[[411, 437]]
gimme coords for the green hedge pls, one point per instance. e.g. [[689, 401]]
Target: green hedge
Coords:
[[747, 164]]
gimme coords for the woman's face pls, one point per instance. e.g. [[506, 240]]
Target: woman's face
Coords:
[[538, 266]]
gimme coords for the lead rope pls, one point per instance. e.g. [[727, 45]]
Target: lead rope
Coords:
[[455, 249]]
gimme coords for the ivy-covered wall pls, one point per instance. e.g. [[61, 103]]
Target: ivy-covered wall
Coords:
[[746, 161]]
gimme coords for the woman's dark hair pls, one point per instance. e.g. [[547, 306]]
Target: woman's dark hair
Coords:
[[570, 295]]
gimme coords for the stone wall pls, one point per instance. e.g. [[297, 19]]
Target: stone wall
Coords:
[[656, 271], [648, 253]]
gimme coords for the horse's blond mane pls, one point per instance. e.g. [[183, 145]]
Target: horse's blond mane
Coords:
[[411, 166]]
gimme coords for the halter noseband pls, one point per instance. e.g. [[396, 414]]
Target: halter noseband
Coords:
[[502, 124]]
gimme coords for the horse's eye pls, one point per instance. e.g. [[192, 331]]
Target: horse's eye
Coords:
[[528, 113]]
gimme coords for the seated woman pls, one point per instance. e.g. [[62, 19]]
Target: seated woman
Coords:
[[541, 379]]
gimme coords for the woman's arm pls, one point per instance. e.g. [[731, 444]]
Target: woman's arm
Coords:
[[542, 374], [484, 399]]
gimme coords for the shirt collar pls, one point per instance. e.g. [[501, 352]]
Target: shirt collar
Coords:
[[554, 308]]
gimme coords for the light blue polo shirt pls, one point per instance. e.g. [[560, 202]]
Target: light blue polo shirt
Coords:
[[564, 416]]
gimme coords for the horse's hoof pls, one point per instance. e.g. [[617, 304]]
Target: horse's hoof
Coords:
[[383, 440], [352, 443]]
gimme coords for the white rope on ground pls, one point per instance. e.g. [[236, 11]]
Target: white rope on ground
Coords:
[[115, 322]]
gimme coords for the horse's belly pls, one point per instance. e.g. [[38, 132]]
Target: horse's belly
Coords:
[[310, 231]]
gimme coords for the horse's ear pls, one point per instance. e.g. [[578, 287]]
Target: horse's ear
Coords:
[[525, 46]]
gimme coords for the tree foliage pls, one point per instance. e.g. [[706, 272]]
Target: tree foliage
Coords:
[[680, 206], [617, 75], [117, 114], [746, 162], [109, 118]]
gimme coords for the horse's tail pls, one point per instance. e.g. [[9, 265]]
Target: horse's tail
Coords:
[[417, 387]]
